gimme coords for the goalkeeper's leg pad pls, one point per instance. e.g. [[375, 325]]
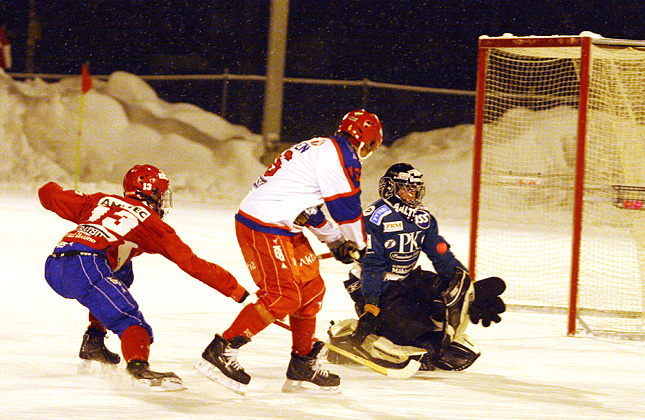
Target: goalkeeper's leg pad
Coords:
[[380, 348], [340, 335], [459, 355]]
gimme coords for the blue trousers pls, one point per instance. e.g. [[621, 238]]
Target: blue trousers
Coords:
[[91, 281]]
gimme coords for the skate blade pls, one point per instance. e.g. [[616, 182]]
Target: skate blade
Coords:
[[84, 368], [163, 385], [302, 387], [93, 367], [214, 374]]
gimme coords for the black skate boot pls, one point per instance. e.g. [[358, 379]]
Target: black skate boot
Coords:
[[307, 369], [93, 349], [427, 361], [220, 357], [157, 381]]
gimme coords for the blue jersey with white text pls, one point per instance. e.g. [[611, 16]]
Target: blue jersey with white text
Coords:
[[396, 236]]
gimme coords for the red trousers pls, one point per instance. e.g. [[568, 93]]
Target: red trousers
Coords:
[[286, 271]]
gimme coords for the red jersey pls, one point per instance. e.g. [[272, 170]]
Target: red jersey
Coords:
[[124, 227]]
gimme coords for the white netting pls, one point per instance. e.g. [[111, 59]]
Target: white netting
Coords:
[[529, 143]]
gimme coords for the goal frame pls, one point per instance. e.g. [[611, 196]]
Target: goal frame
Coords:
[[584, 43]]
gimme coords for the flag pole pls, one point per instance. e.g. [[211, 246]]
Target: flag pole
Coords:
[[86, 85]]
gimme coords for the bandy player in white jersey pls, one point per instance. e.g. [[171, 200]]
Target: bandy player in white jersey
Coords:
[[269, 227]]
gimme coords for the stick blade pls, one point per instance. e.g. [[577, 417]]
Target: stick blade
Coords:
[[410, 369]]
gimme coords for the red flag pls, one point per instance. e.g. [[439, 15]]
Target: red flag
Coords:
[[86, 80], [5, 50]]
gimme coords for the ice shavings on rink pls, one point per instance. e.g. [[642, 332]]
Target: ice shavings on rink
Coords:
[[529, 368]]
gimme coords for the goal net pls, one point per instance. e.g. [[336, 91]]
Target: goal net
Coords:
[[559, 177]]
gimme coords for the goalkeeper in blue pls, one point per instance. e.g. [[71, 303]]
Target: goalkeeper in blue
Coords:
[[405, 311]]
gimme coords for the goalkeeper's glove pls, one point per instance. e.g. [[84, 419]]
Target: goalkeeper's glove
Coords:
[[488, 304], [367, 323], [345, 251], [487, 311]]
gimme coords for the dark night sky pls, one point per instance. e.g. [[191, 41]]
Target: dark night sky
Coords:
[[422, 43], [427, 43]]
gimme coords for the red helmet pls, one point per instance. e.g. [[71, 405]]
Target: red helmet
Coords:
[[364, 129], [149, 184]]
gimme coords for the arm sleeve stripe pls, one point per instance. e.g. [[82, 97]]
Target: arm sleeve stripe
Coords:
[[343, 195], [350, 221], [345, 209], [341, 158]]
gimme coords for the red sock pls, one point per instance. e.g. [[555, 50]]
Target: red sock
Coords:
[[252, 319], [96, 324], [135, 343], [302, 334]]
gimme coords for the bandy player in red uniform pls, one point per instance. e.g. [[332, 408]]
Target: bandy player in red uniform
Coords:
[[269, 226], [93, 264]]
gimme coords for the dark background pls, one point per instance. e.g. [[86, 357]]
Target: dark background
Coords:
[[420, 43]]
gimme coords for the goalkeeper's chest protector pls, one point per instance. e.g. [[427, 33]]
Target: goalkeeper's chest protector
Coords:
[[397, 236]]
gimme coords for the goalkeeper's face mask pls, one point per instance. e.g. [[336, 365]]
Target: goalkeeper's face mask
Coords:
[[410, 194], [402, 184]]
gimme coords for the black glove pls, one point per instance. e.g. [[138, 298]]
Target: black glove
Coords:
[[487, 304], [353, 287], [367, 323], [345, 251]]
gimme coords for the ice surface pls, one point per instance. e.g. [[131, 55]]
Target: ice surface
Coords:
[[529, 368]]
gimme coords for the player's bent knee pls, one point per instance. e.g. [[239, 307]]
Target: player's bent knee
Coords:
[[280, 307], [309, 311]]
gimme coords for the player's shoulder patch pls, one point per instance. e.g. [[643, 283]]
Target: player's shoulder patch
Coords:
[[369, 210], [379, 213], [317, 141], [422, 218], [393, 226]]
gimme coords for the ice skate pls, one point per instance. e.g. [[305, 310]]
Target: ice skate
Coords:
[[93, 350], [219, 363], [154, 381], [427, 362], [304, 370]]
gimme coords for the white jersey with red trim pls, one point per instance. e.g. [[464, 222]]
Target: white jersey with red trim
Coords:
[[309, 174]]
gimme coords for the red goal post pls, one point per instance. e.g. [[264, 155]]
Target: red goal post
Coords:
[[558, 170]]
